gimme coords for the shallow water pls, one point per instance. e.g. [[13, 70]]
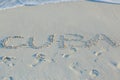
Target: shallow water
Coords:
[[5, 4]]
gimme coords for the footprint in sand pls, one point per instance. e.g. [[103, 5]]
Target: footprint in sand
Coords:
[[39, 58], [94, 73], [8, 78], [116, 64], [8, 60]]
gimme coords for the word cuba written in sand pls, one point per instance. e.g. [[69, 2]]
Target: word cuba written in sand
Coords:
[[60, 41]]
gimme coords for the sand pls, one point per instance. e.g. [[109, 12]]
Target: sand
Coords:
[[63, 41]]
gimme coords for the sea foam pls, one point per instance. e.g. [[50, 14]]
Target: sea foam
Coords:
[[5, 4]]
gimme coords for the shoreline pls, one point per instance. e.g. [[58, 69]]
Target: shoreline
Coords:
[[80, 41], [20, 4]]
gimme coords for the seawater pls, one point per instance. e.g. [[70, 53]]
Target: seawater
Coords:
[[5, 4]]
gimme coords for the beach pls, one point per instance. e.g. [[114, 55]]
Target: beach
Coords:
[[60, 41]]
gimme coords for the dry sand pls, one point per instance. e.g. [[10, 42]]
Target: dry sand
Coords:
[[64, 41]]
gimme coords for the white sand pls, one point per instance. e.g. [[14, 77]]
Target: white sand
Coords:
[[83, 44]]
